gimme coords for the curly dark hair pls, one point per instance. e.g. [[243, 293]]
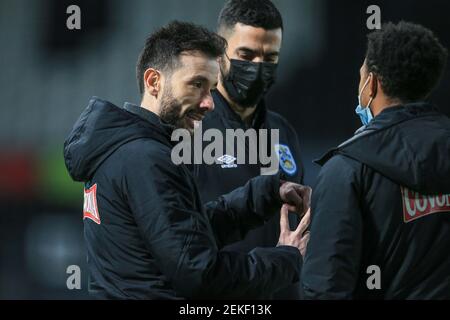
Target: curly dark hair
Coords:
[[408, 59], [255, 13], [163, 48]]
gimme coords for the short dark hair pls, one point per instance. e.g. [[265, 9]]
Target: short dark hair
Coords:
[[408, 59], [255, 13], [163, 48]]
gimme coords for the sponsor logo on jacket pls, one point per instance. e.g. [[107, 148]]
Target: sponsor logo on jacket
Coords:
[[287, 162], [227, 161], [417, 206], [90, 208]]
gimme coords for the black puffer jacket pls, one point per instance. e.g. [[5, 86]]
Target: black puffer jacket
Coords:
[[146, 231]]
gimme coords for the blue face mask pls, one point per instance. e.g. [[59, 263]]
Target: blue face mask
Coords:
[[364, 113]]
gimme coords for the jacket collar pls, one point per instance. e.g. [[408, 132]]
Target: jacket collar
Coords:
[[388, 118], [225, 111], [149, 117]]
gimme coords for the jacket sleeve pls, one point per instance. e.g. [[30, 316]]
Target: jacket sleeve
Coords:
[[293, 137], [243, 209], [332, 261], [299, 177], [181, 240]]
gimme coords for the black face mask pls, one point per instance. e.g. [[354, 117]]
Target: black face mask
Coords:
[[247, 82]]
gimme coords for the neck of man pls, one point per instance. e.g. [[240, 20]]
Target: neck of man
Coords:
[[382, 102], [246, 114], [149, 103]]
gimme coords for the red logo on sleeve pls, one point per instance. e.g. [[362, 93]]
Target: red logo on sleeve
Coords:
[[417, 206], [90, 209]]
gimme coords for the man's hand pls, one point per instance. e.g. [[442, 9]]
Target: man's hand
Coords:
[[296, 196], [298, 238]]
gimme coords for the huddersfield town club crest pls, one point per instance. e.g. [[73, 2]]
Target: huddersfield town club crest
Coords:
[[287, 162]]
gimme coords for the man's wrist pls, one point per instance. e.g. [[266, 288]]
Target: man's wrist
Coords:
[[278, 181]]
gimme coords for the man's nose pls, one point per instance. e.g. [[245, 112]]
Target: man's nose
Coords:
[[207, 103]]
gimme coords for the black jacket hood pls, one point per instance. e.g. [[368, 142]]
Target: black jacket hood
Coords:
[[101, 129], [409, 144]]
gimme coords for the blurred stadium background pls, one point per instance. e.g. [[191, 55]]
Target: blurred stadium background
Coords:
[[48, 74]]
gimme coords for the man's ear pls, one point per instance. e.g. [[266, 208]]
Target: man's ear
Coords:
[[152, 81], [223, 67], [373, 85]]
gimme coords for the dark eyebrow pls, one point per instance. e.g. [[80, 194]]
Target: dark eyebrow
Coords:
[[198, 78], [251, 51], [246, 50]]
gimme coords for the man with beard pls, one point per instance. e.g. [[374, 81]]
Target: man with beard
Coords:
[[148, 236], [253, 30]]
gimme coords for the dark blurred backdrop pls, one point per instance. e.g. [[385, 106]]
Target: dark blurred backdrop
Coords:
[[48, 74]]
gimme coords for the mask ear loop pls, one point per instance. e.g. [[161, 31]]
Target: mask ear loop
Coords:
[[371, 98]]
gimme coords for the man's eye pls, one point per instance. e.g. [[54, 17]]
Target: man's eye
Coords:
[[197, 84], [246, 56]]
